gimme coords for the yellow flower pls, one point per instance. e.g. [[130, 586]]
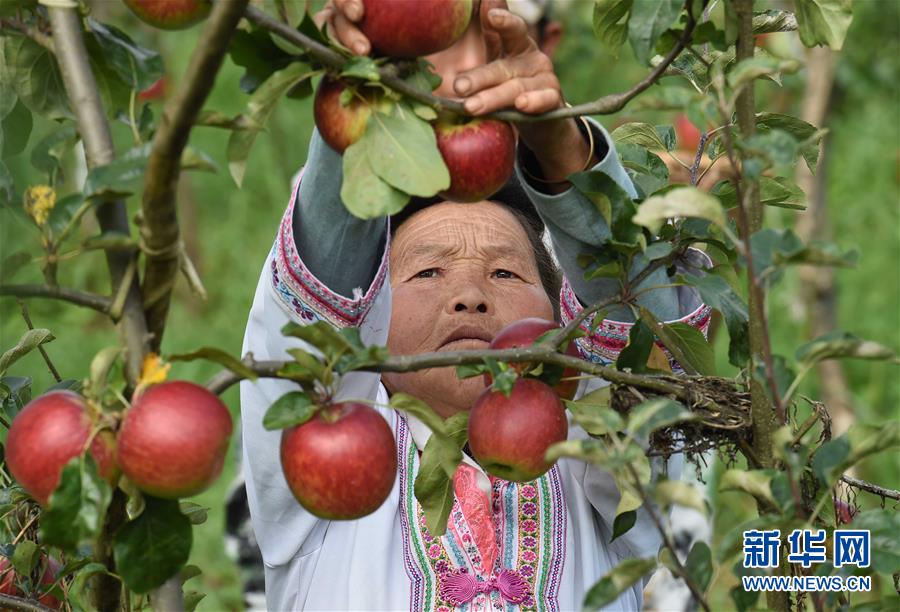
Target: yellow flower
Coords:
[[154, 370], [39, 201]]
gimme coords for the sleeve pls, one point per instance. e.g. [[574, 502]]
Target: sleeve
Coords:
[[576, 227], [340, 249], [289, 291]]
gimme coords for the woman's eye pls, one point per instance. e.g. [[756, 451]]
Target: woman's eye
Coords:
[[429, 273], [503, 274]]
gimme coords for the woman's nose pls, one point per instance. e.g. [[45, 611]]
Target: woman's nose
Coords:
[[468, 297]]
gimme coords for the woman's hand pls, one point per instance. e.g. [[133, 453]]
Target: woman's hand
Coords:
[[521, 76], [341, 17]]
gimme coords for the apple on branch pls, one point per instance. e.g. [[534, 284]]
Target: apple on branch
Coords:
[[339, 124], [414, 29], [50, 431], [479, 153], [509, 436], [524, 333], [174, 439], [342, 463], [170, 14]]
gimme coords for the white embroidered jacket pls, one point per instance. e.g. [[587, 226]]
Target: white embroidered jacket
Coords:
[[554, 531]]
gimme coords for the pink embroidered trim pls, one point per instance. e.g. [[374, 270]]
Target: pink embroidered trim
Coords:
[[459, 586], [476, 507], [308, 299]]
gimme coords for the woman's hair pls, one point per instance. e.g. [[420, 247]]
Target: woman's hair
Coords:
[[513, 198]]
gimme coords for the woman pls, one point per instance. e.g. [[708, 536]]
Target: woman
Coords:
[[446, 276]]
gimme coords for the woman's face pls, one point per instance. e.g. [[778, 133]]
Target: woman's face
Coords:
[[459, 274]]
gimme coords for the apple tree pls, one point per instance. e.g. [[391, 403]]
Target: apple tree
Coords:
[[85, 539]]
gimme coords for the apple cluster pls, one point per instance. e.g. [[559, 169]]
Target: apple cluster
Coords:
[[172, 441], [479, 153], [342, 463]]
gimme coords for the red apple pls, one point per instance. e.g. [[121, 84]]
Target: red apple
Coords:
[[687, 135], [340, 125], [157, 91], [843, 511], [173, 439], [509, 436], [413, 28], [8, 579], [47, 434], [342, 463], [525, 332], [479, 154], [170, 14]]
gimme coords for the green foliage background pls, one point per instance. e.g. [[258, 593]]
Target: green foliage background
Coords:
[[229, 232]]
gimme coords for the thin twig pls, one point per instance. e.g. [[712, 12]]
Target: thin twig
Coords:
[[389, 75], [159, 230], [29, 31], [871, 488], [99, 303], [43, 352], [10, 602]]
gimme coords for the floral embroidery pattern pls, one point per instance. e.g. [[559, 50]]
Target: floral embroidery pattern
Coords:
[[535, 556]]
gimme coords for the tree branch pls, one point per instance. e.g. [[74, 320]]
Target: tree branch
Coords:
[[871, 488], [390, 75], [159, 229], [81, 87], [99, 303], [40, 347], [10, 602], [31, 32]]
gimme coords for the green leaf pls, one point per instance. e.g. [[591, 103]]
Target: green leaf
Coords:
[[153, 547], [678, 202], [612, 202], [434, 482], [15, 128], [773, 249], [323, 336], [419, 409], [238, 123], [883, 525], [254, 51], [860, 441], [773, 20], [642, 134], [64, 211], [779, 191], [217, 355], [259, 108], [804, 133], [823, 22], [654, 414], [610, 22], [657, 250], [757, 483], [29, 341], [623, 524], [622, 577], [47, 154], [647, 23], [752, 68], [117, 178], [77, 505], [699, 564], [784, 375], [364, 193], [402, 150], [841, 345], [648, 172], [693, 347], [829, 459], [292, 408], [191, 599], [136, 66], [80, 592], [25, 557], [33, 73], [717, 293], [102, 364], [593, 414], [636, 353], [670, 492], [195, 512], [361, 67]]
